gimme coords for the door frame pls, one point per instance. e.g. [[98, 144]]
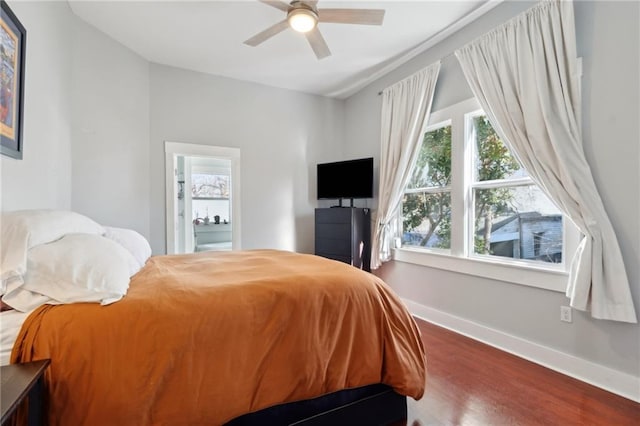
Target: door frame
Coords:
[[172, 151]]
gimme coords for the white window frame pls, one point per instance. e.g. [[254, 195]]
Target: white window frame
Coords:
[[460, 258]]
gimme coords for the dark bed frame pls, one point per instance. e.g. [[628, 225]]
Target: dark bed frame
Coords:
[[368, 405]]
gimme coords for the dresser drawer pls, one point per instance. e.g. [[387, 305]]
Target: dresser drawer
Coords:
[[333, 215], [333, 246], [336, 231]]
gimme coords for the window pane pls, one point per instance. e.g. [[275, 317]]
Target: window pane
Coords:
[[517, 222], [209, 186], [493, 159], [433, 166], [426, 220]]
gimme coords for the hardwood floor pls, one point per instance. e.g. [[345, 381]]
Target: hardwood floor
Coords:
[[470, 383]]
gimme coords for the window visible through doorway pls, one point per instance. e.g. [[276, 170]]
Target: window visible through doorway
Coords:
[[210, 196]]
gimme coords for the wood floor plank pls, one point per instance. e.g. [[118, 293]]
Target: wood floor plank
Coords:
[[470, 383]]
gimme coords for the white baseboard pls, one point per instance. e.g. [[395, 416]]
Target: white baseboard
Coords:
[[623, 384]]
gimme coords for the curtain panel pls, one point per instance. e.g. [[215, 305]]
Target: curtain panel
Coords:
[[406, 106], [524, 74]]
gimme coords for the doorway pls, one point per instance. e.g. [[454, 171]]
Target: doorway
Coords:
[[202, 197]]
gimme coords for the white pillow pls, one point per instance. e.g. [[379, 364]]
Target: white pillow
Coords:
[[137, 245], [22, 230], [75, 268], [45, 226]]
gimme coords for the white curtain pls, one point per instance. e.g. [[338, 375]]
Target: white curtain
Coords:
[[524, 74], [405, 108]]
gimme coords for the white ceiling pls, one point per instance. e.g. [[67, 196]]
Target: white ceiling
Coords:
[[207, 36]]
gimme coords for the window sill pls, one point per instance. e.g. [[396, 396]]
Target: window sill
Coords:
[[523, 274]]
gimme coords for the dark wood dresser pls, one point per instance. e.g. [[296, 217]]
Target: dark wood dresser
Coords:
[[344, 234]]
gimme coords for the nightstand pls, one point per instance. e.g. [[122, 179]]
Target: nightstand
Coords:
[[18, 382]]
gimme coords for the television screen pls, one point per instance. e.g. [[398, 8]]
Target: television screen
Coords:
[[346, 179]]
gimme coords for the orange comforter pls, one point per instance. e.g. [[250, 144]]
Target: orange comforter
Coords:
[[204, 338]]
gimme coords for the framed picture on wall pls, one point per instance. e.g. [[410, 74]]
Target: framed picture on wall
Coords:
[[13, 39]]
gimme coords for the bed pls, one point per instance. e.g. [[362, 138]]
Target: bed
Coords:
[[242, 337]]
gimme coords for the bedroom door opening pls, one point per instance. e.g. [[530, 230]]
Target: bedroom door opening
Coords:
[[202, 198]]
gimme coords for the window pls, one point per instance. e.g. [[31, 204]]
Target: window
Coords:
[[510, 213], [210, 194], [209, 186], [426, 204], [470, 207]]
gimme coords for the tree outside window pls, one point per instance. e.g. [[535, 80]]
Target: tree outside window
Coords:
[[209, 186]]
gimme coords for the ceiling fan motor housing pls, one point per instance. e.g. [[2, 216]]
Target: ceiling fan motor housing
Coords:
[[298, 4], [302, 17]]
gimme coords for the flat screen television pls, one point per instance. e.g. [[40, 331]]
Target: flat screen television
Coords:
[[346, 179]]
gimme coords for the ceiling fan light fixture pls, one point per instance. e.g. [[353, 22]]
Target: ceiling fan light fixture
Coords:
[[303, 16], [302, 20]]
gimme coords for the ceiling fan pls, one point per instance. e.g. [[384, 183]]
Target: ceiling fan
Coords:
[[303, 16]]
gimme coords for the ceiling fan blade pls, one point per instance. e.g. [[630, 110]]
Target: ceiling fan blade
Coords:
[[317, 43], [268, 33], [352, 16], [277, 4], [311, 2]]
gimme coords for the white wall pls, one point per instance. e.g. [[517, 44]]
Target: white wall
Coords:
[[42, 179], [282, 134], [110, 131], [608, 41], [86, 122]]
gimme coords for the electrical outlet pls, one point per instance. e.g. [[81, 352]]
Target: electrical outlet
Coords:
[[565, 313]]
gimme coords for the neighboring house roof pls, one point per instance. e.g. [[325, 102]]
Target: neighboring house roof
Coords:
[[527, 216]]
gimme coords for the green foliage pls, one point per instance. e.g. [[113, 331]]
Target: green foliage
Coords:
[[432, 210], [494, 159], [479, 245], [435, 208], [433, 166]]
